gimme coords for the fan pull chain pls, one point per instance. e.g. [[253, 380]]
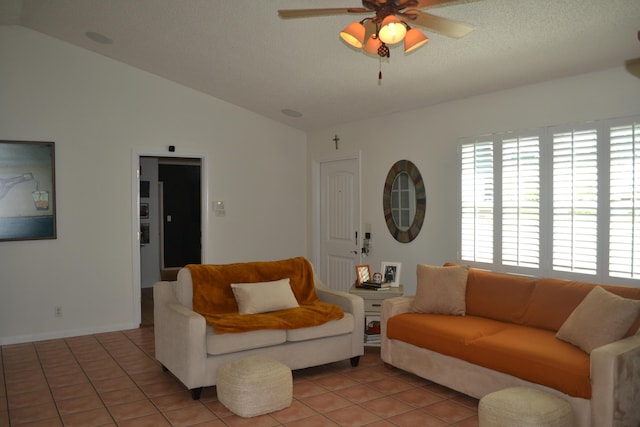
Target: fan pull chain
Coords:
[[383, 51]]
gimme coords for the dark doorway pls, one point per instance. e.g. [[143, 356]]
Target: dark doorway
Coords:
[[181, 214]]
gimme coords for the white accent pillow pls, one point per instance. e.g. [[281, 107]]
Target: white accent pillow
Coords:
[[262, 297], [601, 318]]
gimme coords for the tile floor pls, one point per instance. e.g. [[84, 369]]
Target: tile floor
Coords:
[[112, 379]]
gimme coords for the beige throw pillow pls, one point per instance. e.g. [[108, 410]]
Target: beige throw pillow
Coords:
[[601, 318], [262, 297], [441, 290]]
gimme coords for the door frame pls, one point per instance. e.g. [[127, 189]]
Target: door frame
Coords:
[[136, 154], [316, 189]]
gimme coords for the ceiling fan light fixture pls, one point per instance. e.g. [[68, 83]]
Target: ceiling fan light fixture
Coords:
[[392, 30], [414, 39], [354, 34], [372, 46]]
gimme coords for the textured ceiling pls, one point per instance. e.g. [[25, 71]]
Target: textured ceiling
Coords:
[[240, 51]]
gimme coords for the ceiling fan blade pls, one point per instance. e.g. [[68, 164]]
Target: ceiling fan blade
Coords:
[[440, 25], [424, 4], [305, 13]]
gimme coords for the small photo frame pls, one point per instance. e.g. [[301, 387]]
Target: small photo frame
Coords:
[[144, 210], [144, 233], [391, 273], [363, 274]]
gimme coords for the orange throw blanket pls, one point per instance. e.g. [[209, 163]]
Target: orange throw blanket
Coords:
[[213, 297]]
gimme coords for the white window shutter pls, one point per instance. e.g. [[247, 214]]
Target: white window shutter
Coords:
[[624, 201], [521, 201], [575, 200], [477, 197]]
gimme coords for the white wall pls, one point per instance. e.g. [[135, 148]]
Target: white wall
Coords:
[[98, 112], [429, 137]]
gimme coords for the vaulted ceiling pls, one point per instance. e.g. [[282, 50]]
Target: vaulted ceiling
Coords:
[[240, 51]]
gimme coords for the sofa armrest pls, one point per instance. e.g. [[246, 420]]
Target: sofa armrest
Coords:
[[347, 302], [391, 307], [180, 336], [615, 382], [397, 305], [352, 304]]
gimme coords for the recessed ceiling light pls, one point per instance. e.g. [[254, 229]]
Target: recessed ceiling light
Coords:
[[291, 113], [98, 38]]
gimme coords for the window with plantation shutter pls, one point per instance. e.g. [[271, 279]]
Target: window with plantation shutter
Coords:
[[561, 201], [477, 198], [521, 201], [575, 200], [624, 200]]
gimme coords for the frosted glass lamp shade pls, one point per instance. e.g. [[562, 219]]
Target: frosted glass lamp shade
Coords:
[[354, 34], [392, 30], [414, 39]]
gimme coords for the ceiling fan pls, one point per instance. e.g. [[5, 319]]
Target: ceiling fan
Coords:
[[391, 23]]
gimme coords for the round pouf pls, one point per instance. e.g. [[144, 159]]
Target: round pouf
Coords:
[[524, 407], [254, 385]]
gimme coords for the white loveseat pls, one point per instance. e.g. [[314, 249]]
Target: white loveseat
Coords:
[[191, 350]]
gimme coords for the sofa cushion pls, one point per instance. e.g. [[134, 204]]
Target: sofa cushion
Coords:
[[498, 296], [329, 329], [535, 355], [441, 290], [262, 297], [601, 318], [442, 333], [528, 353], [553, 300], [231, 343]]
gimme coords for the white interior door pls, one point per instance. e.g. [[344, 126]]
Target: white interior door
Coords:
[[339, 222]]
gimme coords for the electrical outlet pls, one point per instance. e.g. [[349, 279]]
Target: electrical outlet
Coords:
[[57, 311]]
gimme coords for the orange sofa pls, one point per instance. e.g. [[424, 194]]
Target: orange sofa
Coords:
[[507, 337]]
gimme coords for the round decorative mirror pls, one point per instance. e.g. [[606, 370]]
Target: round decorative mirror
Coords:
[[404, 201]]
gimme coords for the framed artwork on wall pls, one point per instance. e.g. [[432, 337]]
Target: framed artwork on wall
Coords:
[[27, 190], [144, 233], [144, 210]]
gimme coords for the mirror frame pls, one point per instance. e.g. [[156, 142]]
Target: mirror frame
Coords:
[[421, 201]]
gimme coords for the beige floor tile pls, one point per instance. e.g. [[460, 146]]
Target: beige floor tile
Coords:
[[449, 411], [112, 378], [352, 416], [190, 415], [136, 409]]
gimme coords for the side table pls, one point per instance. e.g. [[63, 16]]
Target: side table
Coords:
[[372, 309]]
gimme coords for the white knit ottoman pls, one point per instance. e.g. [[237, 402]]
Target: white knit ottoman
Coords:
[[254, 385], [524, 407]]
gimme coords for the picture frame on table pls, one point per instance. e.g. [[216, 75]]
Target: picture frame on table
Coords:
[[363, 274], [391, 273]]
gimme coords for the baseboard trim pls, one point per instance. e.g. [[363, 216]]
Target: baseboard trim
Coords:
[[19, 339]]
